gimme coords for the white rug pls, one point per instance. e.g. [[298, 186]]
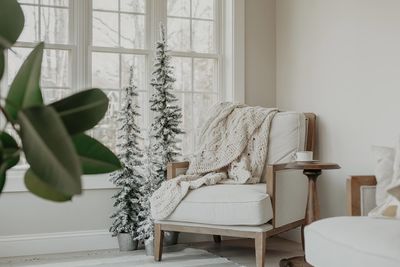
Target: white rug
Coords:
[[181, 258]]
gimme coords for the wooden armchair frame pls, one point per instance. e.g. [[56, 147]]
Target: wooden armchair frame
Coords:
[[353, 186], [258, 233]]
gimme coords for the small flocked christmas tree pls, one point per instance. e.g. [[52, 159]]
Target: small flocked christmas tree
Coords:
[[129, 178], [150, 183], [163, 141]]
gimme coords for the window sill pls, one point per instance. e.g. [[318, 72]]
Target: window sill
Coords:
[[15, 182]]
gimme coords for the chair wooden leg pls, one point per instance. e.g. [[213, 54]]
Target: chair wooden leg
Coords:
[[260, 244], [217, 238], [158, 242]]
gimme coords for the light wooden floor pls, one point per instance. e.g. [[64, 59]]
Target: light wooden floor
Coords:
[[242, 252]]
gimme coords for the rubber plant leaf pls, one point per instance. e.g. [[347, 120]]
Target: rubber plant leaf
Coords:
[[41, 189], [49, 150], [25, 90], [11, 22], [82, 111], [95, 158], [11, 151]]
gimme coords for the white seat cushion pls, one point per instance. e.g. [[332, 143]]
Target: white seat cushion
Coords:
[[225, 204], [353, 241]]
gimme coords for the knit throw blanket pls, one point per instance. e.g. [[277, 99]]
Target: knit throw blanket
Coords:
[[232, 148]]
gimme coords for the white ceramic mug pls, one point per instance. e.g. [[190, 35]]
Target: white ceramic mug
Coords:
[[304, 156]]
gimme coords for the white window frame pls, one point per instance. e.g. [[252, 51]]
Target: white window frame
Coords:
[[231, 56]]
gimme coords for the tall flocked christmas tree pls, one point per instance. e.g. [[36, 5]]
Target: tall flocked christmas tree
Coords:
[[128, 179], [168, 115], [163, 143]]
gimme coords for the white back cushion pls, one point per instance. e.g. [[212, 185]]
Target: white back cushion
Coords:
[[287, 136]]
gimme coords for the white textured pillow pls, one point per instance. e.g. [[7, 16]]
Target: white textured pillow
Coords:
[[395, 190], [390, 208], [384, 162]]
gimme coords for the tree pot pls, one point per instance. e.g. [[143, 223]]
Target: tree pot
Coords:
[[170, 238], [126, 242], [149, 247]]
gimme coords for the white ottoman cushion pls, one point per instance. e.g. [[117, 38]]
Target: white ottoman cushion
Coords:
[[225, 204], [353, 241]]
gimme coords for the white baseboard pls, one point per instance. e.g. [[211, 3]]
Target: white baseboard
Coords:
[[63, 242], [48, 243]]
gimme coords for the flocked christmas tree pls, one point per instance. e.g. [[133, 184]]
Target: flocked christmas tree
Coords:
[[168, 115], [129, 178], [150, 183], [164, 131]]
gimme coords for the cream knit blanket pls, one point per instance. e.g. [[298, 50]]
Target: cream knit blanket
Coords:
[[232, 148]]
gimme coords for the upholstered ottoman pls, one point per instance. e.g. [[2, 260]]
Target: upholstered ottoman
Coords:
[[353, 242]]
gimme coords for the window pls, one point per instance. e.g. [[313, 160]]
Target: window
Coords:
[[49, 21], [119, 40], [93, 43], [192, 36]]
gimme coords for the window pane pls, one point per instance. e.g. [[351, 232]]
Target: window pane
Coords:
[[142, 101], [105, 70], [29, 1], [179, 8], [133, 31], [203, 9], [55, 25], [204, 75], [105, 29], [202, 103], [139, 70], [137, 6], [15, 61], [55, 68], [178, 32], [30, 32], [55, 2], [186, 146], [52, 95], [107, 128], [183, 73], [186, 103], [105, 4], [203, 36]]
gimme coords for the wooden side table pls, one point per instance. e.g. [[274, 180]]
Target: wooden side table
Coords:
[[312, 170]]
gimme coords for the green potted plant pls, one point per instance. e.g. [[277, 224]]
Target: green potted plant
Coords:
[[52, 136]]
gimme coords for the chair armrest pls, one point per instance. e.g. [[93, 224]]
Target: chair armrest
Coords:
[[176, 168], [353, 185]]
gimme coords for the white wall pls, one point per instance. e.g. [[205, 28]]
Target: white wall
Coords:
[[30, 225], [341, 60], [260, 52]]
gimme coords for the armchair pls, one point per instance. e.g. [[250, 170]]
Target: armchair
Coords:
[[355, 240], [249, 211]]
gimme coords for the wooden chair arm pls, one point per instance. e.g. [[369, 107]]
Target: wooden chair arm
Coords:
[[353, 185], [176, 168], [276, 167]]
